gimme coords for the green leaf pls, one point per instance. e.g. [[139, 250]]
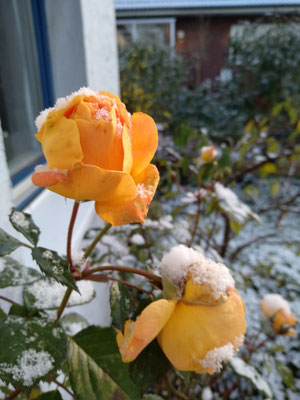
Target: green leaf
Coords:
[[8, 243], [54, 266], [241, 368], [30, 349], [101, 346], [268, 168], [235, 226], [88, 380], [151, 397], [73, 323], [150, 366], [286, 375], [15, 274], [53, 395], [170, 291], [2, 313], [24, 224], [47, 294], [225, 160], [120, 304], [19, 311]]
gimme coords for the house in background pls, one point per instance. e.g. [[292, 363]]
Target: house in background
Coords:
[[199, 30]]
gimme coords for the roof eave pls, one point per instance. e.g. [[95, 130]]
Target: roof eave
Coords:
[[207, 11]]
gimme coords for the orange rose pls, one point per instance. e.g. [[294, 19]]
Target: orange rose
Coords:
[[96, 150], [208, 153], [200, 325], [277, 309]]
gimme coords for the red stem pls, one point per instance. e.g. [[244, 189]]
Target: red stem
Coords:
[[102, 277], [70, 232], [14, 394]]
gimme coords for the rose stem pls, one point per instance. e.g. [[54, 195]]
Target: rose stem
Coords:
[[69, 257], [70, 232], [96, 240], [148, 275]]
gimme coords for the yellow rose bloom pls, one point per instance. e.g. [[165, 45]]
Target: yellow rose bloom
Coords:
[[208, 153], [96, 150], [198, 330], [277, 309]]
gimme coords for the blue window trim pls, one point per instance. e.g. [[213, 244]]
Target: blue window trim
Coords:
[[42, 42]]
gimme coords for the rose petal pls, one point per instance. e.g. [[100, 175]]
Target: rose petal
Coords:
[[197, 329], [134, 210], [60, 142], [89, 182], [144, 141], [49, 178], [147, 326]]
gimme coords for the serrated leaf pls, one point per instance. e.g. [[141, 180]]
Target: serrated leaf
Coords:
[[286, 375], [88, 380], [100, 344], [30, 349], [243, 369], [120, 304], [8, 243], [53, 395], [54, 266], [15, 274], [150, 366], [47, 294], [24, 224], [73, 323], [170, 291]]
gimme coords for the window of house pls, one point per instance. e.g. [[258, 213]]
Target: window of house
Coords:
[[150, 31], [22, 95]]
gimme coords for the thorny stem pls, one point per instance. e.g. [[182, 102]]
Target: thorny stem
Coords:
[[63, 303], [146, 242], [103, 278], [70, 232], [14, 394], [96, 240], [148, 275]]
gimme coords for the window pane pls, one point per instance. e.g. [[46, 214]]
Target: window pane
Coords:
[[20, 88], [157, 34], [124, 35]]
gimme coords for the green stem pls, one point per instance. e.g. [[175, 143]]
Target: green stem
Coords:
[[148, 275], [96, 240], [63, 303]]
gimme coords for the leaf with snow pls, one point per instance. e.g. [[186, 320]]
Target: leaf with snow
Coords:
[[246, 370], [8, 243], [47, 294], [54, 266], [12, 273], [232, 205], [120, 304], [24, 224], [73, 323], [151, 397], [30, 349], [88, 380]]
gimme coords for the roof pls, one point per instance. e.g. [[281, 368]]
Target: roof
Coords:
[[160, 7], [155, 4]]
